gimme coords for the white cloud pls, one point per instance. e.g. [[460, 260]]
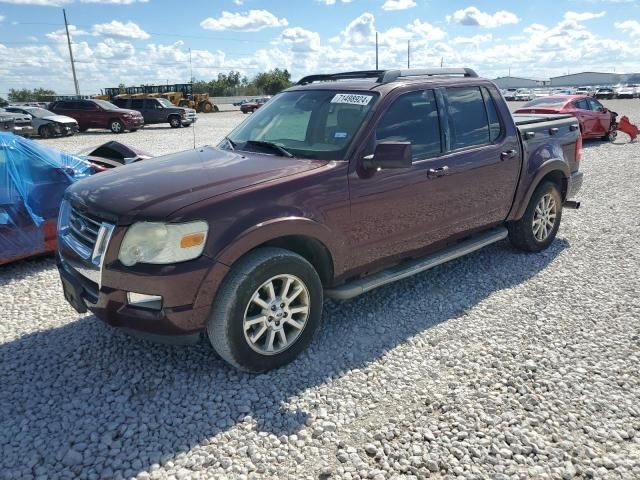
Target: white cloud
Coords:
[[61, 35], [398, 4], [426, 31], [250, 21], [118, 29], [1, 18], [471, 16], [300, 40], [630, 27], [474, 40], [333, 2], [581, 17], [238, 2], [360, 31]]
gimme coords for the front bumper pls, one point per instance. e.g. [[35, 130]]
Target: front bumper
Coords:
[[133, 123], [574, 184], [189, 120]]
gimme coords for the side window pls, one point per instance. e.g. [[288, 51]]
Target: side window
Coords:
[[137, 103], [495, 127], [468, 122], [582, 104], [119, 102], [413, 117], [595, 105]]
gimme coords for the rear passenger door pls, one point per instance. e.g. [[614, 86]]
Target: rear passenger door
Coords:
[[153, 111], [483, 160]]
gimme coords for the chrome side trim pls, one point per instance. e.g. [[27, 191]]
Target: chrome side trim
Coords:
[[363, 285]]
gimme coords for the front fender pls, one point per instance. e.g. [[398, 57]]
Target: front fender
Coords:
[[258, 235]]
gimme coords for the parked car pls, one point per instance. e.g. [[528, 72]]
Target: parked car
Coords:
[[47, 123], [524, 95], [510, 94], [604, 93], [596, 121], [159, 110], [17, 123], [252, 105], [626, 91], [332, 189], [237, 104], [99, 114], [33, 178], [587, 91]]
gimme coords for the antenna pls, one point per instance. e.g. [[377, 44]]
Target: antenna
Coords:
[[73, 67], [376, 50]]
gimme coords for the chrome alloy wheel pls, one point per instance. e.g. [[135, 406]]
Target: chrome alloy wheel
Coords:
[[544, 217], [276, 314]]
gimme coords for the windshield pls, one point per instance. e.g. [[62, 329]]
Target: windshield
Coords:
[[165, 103], [39, 112], [546, 102], [104, 104], [307, 123]]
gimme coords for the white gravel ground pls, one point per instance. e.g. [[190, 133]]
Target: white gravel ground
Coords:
[[500, 365]]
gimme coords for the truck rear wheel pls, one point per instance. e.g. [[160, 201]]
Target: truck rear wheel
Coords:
[[539, 225], [266, 311]]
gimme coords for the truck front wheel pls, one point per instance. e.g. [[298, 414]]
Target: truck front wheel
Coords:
[[267, 310], [539, 225]]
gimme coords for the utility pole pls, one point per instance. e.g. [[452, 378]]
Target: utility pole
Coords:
[[441, 62], [376, 50], [408, 54], [191, 67], [73, 66]]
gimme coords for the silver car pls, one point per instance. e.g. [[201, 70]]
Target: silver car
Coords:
[[45, 123]]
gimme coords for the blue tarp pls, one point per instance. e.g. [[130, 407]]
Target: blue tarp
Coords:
[[33, 179]]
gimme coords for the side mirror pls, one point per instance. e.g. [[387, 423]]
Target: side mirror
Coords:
[[390, 155]]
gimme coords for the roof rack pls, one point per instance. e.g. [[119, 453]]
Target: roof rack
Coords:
[[386, 76]]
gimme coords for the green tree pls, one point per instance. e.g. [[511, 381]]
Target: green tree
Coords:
[[26, 95], [273, 81], [3, 102]]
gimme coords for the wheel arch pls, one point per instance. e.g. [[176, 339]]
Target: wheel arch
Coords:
[[554, 170]]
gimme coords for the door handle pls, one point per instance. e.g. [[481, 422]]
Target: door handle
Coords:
[[508, 155], [438, 172]]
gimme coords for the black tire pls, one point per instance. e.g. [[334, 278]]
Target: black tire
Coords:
[[215, 109], [225, 324], [175, 121], [521, 232], [83, 129], [133, 130], [116, 126], [45, 131]]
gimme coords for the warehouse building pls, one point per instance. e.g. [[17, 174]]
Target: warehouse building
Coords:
[[587, 78], [517, 82]]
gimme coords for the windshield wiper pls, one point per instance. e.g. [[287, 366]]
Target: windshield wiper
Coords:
[[231, 143], [274, 146]]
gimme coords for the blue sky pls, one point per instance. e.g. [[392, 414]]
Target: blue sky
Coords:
[[138, 41]]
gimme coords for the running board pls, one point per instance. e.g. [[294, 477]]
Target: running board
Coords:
[[408, 269]]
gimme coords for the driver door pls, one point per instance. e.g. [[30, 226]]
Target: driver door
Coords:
[[602, 118]]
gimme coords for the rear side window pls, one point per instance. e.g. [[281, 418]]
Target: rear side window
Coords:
[[495, 127], [120, 102], [413, 117], [468, 120]]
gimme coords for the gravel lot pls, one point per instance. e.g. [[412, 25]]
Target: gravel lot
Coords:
[[498, 365]]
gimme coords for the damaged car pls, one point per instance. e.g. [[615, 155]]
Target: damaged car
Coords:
[[47, 124], [17, 123]]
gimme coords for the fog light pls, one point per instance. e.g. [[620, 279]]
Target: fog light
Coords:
[[152, 302]]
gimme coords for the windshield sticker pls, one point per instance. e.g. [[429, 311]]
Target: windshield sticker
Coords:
[[351, 99], [340, 135]]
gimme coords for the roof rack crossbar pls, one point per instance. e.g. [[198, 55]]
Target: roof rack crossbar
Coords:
[[386, 76]]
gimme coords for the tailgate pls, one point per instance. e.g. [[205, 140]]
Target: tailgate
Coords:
[[563, 130]]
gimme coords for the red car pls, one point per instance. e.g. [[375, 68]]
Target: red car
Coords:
[[252, 105], [596, 121], [99, 114]]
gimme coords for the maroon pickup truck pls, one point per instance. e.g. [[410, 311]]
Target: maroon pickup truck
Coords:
[[338, 185]]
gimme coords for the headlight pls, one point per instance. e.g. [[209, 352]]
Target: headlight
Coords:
[[162, 243]]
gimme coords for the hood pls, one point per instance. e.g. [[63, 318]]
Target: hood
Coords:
[[155, 188], [60, 119], [135, 113]]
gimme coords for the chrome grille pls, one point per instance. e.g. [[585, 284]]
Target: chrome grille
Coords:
[[87, 236]]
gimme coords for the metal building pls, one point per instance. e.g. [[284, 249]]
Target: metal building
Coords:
[[517, 82], [586, 78]]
